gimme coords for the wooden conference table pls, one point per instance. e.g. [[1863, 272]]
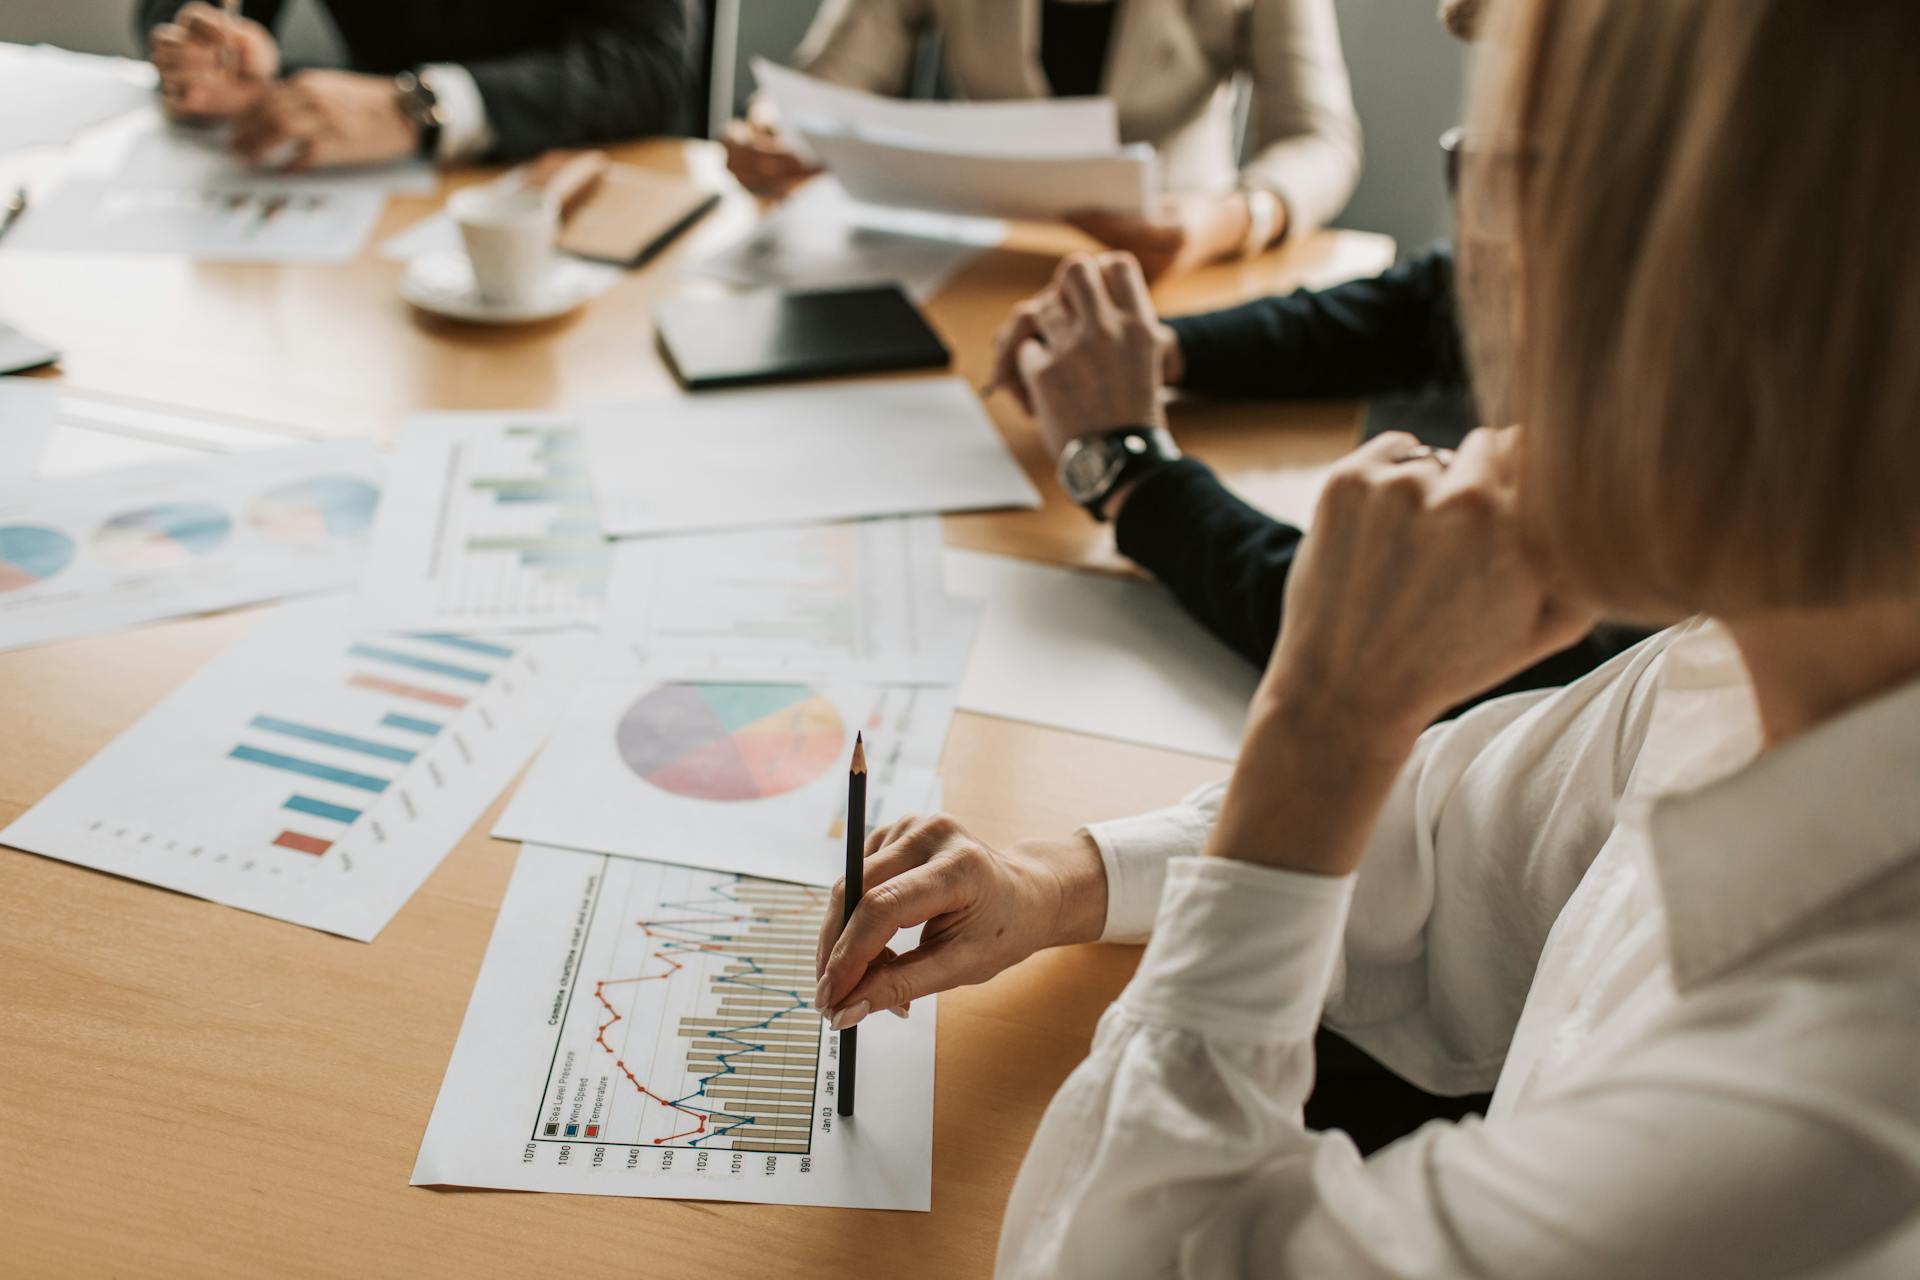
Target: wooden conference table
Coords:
[[190, 1089]]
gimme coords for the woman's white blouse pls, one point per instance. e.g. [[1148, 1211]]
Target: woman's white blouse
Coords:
[[1692, 969]]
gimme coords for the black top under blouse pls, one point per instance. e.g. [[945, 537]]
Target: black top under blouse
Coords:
[[1073, 45]]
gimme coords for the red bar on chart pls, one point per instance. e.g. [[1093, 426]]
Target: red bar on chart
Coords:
[[414, 691], [305, 844]]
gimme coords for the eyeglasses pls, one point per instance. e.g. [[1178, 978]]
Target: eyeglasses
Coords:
[[1450, 143]]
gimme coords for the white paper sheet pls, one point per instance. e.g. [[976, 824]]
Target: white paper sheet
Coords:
[[821, 237], [749, 778], [646, 1030], [91, 552], [20, 352], [488, 524], [857, 603], [48, 95], [174, 155], [306, 775], [252, 223], [886, 171], [1099, 655], [794, 455], [26, 424], [93, 433], [1028, 127]]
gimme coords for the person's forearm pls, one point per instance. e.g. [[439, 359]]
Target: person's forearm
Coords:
[[1389, 333], [1226, 562]]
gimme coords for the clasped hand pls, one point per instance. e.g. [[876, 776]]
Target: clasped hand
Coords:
[[213, 67]]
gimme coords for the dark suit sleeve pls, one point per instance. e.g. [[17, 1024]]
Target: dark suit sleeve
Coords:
[[618, 69], [1389, 333], [148, 14], [1227, 563]]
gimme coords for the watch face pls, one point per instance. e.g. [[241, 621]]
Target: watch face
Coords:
[[1087, 469]]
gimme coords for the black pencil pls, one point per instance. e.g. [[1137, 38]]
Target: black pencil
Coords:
[[856, 862]]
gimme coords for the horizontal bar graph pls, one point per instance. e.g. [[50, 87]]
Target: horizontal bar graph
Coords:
[[310, 768], [328, 738], [305, 844], [401, 658], [398, 689], [412, 724], [486, 648], [322, 809]]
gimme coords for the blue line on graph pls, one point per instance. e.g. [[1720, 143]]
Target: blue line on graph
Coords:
[[468, 643], [328, 738], [293, 764], [412, 724], [321, 809], [399, 659]]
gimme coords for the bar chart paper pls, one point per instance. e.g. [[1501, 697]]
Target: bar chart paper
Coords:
[[307, 774], [488, 524], [640, 1029]]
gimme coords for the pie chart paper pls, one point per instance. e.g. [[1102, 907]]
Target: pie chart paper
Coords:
[[750, 778], [30, 554], [313, 511], [731, 741]]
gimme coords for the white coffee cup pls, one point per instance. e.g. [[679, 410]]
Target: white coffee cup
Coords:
[[509, 234]]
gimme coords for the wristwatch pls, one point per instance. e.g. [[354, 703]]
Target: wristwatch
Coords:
[[420, 104], [1095, 467]]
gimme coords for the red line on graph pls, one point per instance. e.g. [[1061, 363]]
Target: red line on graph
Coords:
[[414, 691], [305, 844]]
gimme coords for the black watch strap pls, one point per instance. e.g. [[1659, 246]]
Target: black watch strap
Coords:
[[422, 106], [1127, 456]]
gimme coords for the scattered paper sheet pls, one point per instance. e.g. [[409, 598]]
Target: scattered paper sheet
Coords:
[[488, 524], [26, 424], [175, 155], [1025, 127], [307, 775], [750, 778], [647, 1030], [92, 433], [48, 95], [821, 237], [793, 455], [253, 223], [861, 602], [1099, 655], [92, 552], [884, 171], [20, 352]]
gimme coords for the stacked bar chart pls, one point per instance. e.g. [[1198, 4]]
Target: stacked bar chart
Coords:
[[490, 524]]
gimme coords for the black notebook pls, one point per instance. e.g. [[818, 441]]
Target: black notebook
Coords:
[[781, 337]]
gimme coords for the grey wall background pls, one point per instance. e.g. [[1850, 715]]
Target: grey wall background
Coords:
[[1407, 81]]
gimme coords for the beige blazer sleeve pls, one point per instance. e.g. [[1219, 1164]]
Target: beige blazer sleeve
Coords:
[[1303, 133], [864, 44]]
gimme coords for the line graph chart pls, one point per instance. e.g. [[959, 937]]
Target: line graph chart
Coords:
[[689, 1023], [645, 1029]]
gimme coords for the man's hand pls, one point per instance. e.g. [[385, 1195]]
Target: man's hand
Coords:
[[1188, 230], [761, 162], [1089, 354], [984, 911], [1024, 323], [211, 67], [321, 119]]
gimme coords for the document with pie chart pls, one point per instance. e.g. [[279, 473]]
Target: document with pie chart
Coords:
[[92, 552], [746, 778]]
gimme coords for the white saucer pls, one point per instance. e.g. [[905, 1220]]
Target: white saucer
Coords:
[[443, 284]]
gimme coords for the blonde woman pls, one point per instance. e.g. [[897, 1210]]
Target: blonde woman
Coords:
[[1169, 65], [1673, 909]]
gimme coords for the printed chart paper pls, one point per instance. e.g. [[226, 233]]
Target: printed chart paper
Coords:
[[488, 524], [241, 224], [797, 455], [646, 1030], [750, 778], [177, 155], [885, 170], [92, 552], [863, 602], [48, 95], [306, 774]]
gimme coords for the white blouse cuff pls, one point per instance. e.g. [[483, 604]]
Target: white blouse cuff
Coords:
[[1135, 852], [1241, 951]]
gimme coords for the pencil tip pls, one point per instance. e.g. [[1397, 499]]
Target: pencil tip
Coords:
[[859, 754]]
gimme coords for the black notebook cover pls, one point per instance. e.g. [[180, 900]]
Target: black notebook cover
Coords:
[[781, 337]]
